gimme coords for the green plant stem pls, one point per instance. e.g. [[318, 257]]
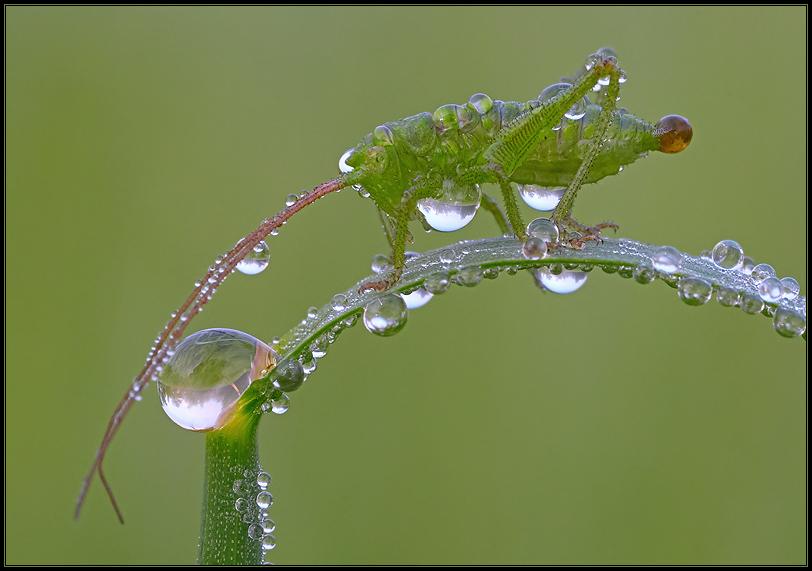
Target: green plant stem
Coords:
[[230, 451]]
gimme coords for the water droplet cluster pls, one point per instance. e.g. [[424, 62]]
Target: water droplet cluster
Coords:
[[252, 501]]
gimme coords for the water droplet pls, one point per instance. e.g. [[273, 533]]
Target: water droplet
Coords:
[[727, 254], [437, 283], [417, 298], [319, 347], [308, 364], [563, 283], [237, 486], [761, 272], [291, 199], [280, 403], [268, 542], [268, 525], [383, 135], [770, 290], [543, 229], [469, 277], [666, 259], [727, 297], [791, 287], [544, 198], [789, 323], [385, 315], [481, 103], [694, 291], [241, 505], [343, 167], [445, 117], [263, 480], [264, 500], [644, 273], [751, 304], [534, 248], [255, 531], [747, 266], [577, 111], [490, 273], [339, 302], [288, 375], [381, 264], [208, 373], [454, 207], [256, 260], [350, 320]]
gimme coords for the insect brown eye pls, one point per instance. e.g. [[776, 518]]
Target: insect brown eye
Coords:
[[674, 133]]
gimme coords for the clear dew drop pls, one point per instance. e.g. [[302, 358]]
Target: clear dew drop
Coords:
[[565, 282], [644, 273], [207, 375], [256, 260], [268, 525], [383, 136], [770, 290], [381, 264], [727, 297], [291, 199], [455, 206], [751, 304], [541, 198], [255, 531], [263, 480], [339, 302], [481, 103], [789, 323], [308, 364], [264, 500], [575, 112], [469, 277], [268, 542], [343, 167], [437, 283], [727, 254], [747, 266], [543, 229], [288, 375], [666, 259], [761, 272], [791, 287], [534, 248], [241, 505], [280, 403], [417, 298], [385, 315], [694, 291]]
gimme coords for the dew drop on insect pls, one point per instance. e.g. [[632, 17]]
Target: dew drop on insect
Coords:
[[264, 500], [666, 259], [789, 323], [481, 103], [207, 375], [644, 273], [469, 277], [543, 229], [727, 297], [770, 290], [268, 525], [761, 272], [343, 167], [383, 135], [541, 197], [385, 315], [381, 264], [727, 254], [751, 304], [694, 291], [453, 209], [445, 117], [288, 375], [417, 298], [437, 283], [256, 260], [263, 480], [534, 248], [563, 283], [268, 542], [791, 287], [577, 111]]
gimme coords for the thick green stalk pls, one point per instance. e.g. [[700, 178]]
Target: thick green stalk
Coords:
[[230, 452]]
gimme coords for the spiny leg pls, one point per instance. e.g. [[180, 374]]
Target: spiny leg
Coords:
[[386, 222], [514, 216], [491, 206]]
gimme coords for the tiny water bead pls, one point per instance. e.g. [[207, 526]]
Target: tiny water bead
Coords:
[[256, 260], [207, 375], [761, 272], [543, 229], [577, 111], [770, 290], [264, 500], [727, 254], [541, 197], [263, 480], [417, 298], [789, 323], [694, 291], [562, 283], [667, 259], [385, 315], [453, 208], [288, 375], [534, 248], [291, 199], [791, 287]]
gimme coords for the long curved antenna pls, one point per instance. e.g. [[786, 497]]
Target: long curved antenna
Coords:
[[173, 331]]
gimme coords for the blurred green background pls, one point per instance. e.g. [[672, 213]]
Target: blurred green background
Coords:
[[616, 425]]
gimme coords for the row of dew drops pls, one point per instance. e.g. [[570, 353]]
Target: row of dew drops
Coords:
[[252, 505]]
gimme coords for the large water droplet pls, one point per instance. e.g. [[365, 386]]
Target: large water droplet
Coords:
[[543, 229], [791, 287], [694, 291], [563, 283], [209, 372], [256, 260], [666, 259], [770, 290], [417, 298], [761, 272], [385, 315], [727, 254], [542, 198], [453, 209], [789, 323]]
